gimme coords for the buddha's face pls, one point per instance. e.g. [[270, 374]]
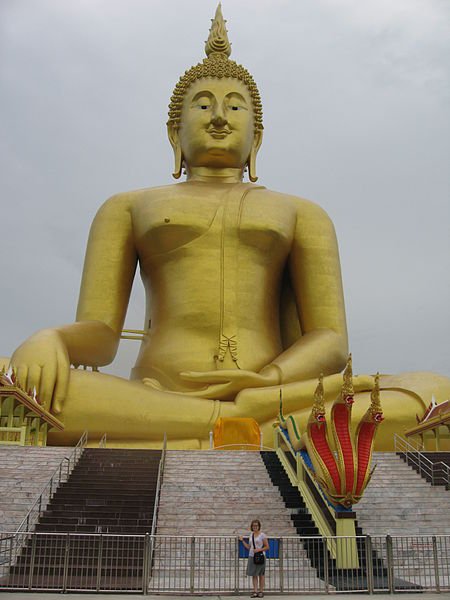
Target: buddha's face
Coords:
[[217, 125]]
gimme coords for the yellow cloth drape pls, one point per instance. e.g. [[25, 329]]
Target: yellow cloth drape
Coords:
[[234, 432]]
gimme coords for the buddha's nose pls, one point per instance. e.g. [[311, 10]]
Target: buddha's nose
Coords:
[[218, 117]]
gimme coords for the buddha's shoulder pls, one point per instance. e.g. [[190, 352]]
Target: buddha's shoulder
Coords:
[[303, 207], [130, 199]]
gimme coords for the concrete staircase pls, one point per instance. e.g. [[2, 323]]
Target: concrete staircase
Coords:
[[24, 471], [435, 468], [215, 493], [219, 493], [110, 492], [398, 501], [343, 580]]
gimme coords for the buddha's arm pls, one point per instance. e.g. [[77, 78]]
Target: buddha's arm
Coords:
[[108, 275], [316, 279], [43, 360]]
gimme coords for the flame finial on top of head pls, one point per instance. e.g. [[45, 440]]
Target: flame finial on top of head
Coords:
[[218, 43]]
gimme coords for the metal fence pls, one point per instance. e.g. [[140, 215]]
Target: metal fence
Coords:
[[437, 473], [212, 565]]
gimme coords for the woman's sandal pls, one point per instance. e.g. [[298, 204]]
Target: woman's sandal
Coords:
[[260, 595], [254, 595]]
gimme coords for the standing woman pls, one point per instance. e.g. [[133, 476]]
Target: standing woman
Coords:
[[256, 565]]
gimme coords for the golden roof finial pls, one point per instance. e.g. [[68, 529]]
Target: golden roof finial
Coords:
[[347, 386], [217, 42]]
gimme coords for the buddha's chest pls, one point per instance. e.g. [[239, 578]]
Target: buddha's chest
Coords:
[[165, 225]]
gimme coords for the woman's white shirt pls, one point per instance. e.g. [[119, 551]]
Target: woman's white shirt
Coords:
[[259, 542]]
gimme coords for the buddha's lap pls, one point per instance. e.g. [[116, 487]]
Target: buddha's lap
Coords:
[[101, 402], [402, 396]]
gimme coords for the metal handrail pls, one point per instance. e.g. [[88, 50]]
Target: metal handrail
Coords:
[[55, 480], [141, 536], [162, 463], [319, 501], [102, 442], [415, 457], [159, 483]]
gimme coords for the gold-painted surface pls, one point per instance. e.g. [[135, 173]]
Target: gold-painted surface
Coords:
[[218, 65], [433, 423], [318, 409], [347, 386], [207, 260]]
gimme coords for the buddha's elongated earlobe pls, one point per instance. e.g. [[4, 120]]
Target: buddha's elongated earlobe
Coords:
[[252, 158], [174, 139], [178, 162]]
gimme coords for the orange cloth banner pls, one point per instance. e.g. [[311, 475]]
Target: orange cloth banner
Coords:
[[234, 432]]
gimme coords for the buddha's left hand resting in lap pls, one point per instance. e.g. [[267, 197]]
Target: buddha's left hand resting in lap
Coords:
[[243, 288]]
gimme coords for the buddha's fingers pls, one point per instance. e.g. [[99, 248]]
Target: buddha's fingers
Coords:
[[34, 378], [47, 384], [207, 392], [62, 380], [263, 403], [154, 383], [208, 377], [216, 391], [21, 376]]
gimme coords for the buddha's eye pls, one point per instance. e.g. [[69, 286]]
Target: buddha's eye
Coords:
[[235, 108]]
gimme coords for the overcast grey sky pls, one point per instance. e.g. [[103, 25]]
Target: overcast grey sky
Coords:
[[356, 107]]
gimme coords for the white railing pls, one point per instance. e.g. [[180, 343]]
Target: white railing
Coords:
[[74, 562], [60, 475], [102, 442], [437, 473], [162, 464]]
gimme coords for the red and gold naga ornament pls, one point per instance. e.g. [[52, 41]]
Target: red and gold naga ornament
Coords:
[[342, 474]]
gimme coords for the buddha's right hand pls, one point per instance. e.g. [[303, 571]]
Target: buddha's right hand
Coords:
[[297, 397], [42, 362]]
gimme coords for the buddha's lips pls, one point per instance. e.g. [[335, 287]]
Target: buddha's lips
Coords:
[[218, 133]]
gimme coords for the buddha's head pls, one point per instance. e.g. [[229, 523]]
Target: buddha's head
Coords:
[[215, 114]]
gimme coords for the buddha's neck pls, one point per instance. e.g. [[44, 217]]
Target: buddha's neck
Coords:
[[208, 175]]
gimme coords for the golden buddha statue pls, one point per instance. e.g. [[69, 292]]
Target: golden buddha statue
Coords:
[[243, 287]]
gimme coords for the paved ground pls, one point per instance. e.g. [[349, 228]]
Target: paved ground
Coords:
[[59, 596]]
